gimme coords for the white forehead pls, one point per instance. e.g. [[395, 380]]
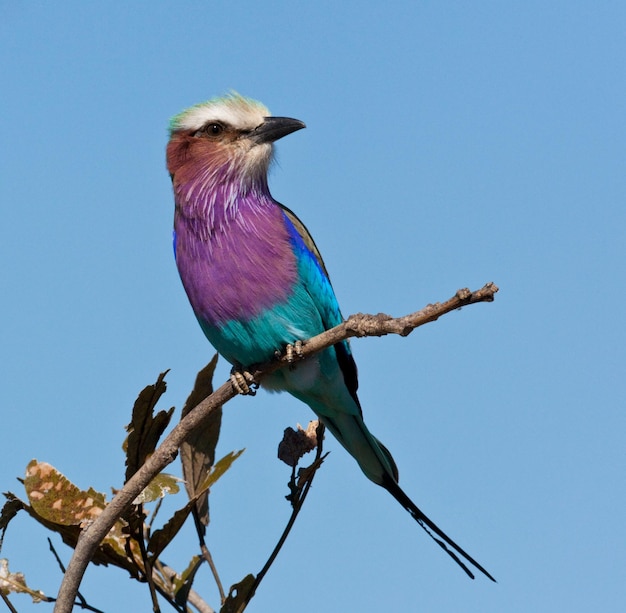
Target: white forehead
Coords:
[[234, 110]]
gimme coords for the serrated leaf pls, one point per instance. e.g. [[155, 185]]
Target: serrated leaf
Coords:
[[197, 454], [145, 429], [160, 539], [15, 582], [57, 499], [238, 595], [219, 469], [183, 583], [159, 487]]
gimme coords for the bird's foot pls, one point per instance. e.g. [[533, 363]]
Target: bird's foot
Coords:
[[243, 382], [293, 353]]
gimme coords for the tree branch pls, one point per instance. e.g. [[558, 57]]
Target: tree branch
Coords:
[[355, 325], [300, 491]]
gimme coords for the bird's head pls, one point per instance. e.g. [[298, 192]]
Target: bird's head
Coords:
[[223, 139]]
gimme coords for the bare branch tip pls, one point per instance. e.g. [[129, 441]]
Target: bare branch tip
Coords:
[[488, 292]]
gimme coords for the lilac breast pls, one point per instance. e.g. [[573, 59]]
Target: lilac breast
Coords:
[[241, 268]]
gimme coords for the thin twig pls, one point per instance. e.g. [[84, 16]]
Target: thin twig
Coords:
[[193, 598], [356, 325], [138, 533], [82, 601], [157, 508], [206, 554], [80, 597], [297, 506], [7, 602], [56, 555]]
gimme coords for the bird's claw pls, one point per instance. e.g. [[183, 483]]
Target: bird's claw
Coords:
[[243, 382], [294, 352]]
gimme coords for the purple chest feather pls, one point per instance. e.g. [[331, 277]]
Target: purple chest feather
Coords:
[[237, 262]]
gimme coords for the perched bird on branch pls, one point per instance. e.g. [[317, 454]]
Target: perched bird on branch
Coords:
[[257, 282]]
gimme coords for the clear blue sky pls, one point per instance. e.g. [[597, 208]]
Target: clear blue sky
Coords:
[[447, 145]]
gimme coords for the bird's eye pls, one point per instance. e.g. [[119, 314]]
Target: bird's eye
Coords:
[[214, 129]]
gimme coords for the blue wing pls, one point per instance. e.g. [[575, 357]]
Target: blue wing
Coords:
[[316, 279]]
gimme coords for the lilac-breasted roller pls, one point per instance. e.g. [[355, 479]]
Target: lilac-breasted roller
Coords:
[[256, 280]]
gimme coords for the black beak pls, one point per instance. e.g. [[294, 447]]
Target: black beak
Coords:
[[274, 128]]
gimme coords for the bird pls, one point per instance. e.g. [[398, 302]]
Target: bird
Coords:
[[256, 280]]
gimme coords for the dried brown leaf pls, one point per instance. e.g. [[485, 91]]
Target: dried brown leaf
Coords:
[[160, 539], [57, 499], [238, 595], [145, 428], [197, 454], [183, 584], [10, 509], [60, 506], [296, 443], [15, 582]]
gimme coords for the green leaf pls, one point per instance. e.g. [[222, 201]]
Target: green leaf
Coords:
[[183, 584], [145, 429], [219, 469], [239, 595], [159, 487], [197, 454]]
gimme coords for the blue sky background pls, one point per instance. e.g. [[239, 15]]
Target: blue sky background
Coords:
[[447, 145]]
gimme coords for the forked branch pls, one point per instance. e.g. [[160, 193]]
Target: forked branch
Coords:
[[355, 325]]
